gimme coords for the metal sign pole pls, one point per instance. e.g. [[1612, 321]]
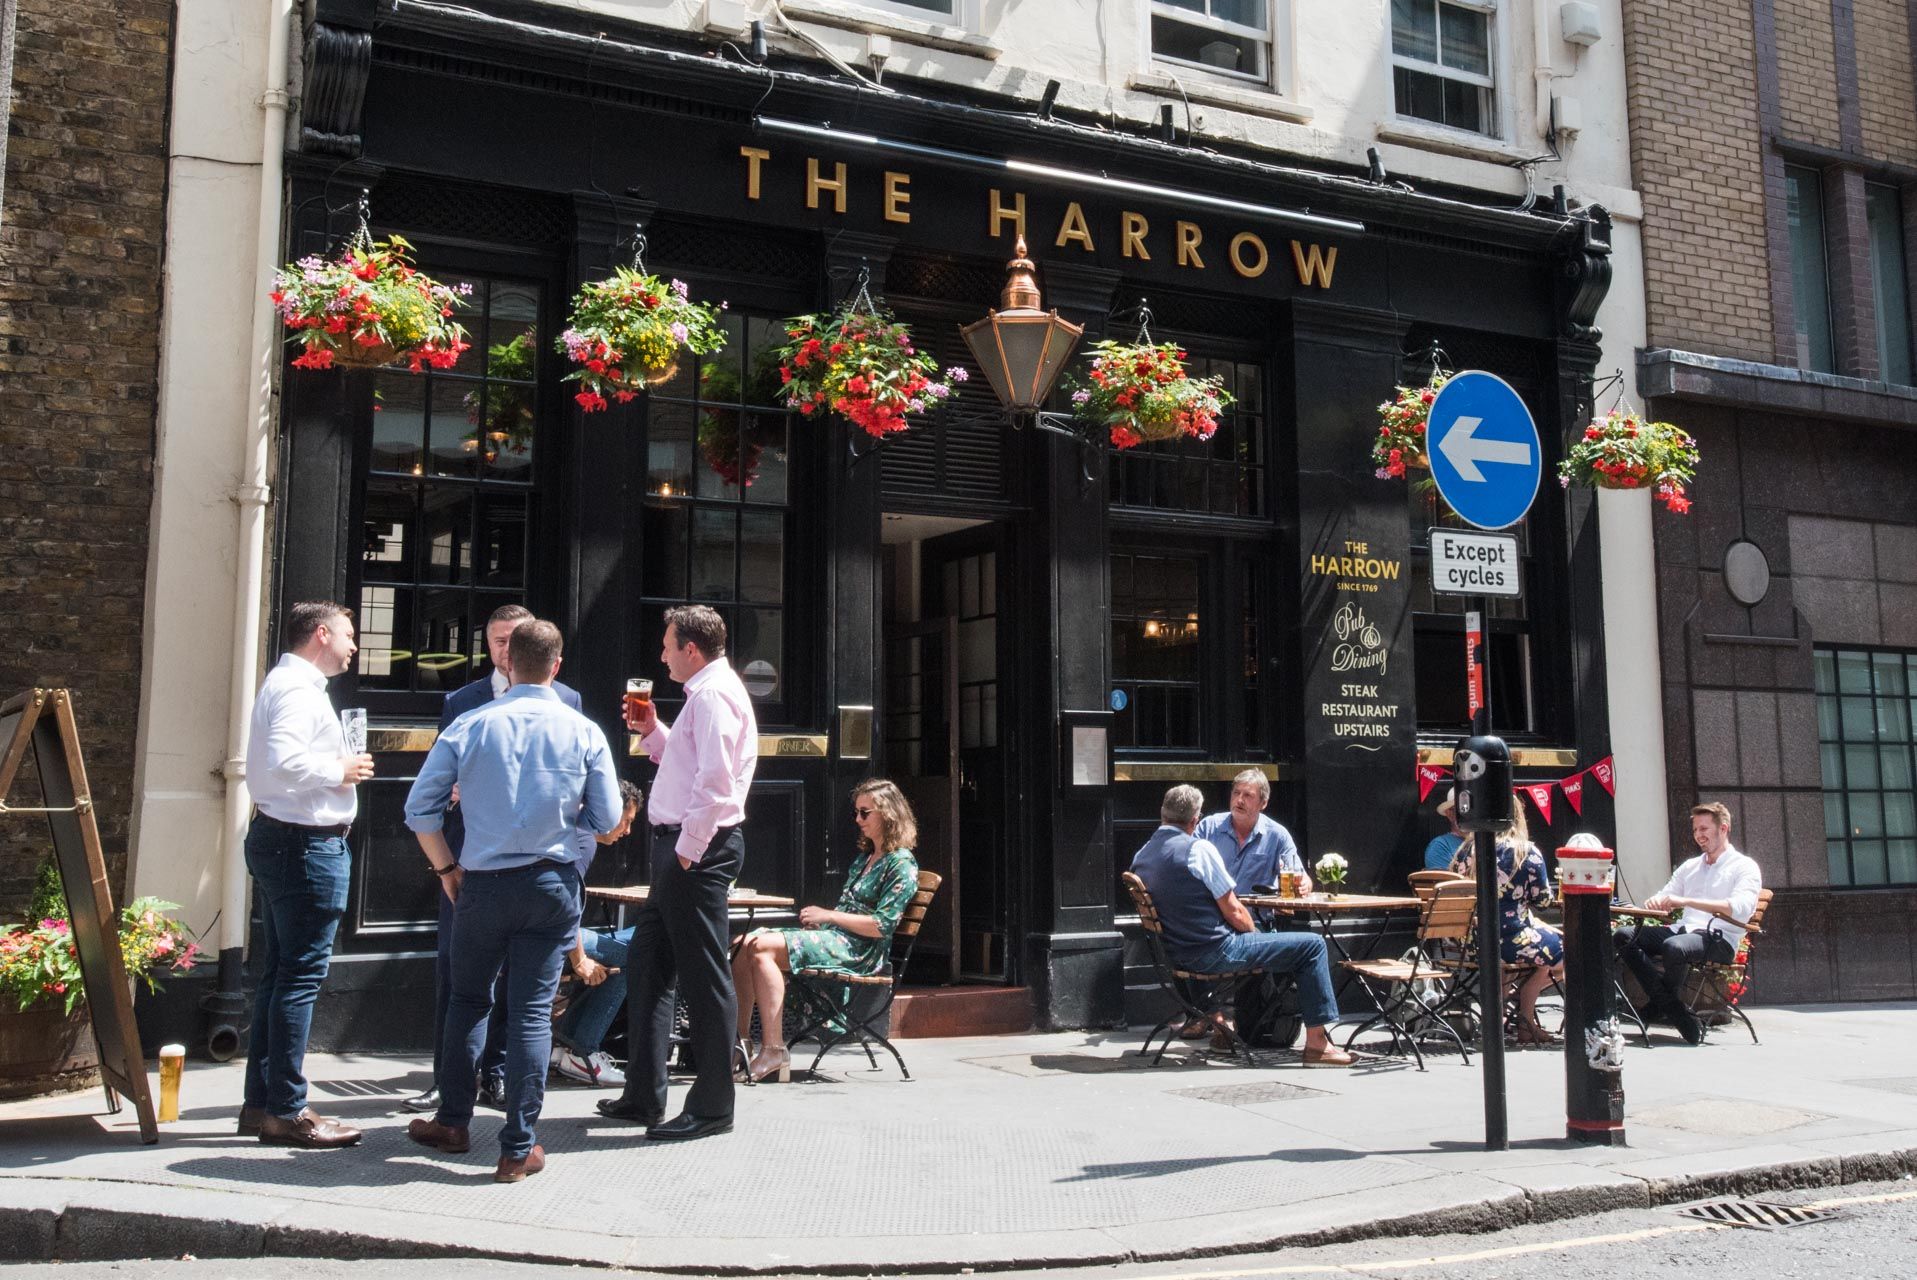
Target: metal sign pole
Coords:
[[1484, 859]]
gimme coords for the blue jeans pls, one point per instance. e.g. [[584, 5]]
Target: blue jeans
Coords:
[[525, 919], [1302, 955], [299, 880], [589, 1017], [492, 1063]]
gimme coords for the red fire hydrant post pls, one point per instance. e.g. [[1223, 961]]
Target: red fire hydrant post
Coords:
[[1593, 1045]]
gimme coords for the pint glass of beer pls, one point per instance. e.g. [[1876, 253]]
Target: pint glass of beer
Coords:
[[638, 695], [172, 1062]]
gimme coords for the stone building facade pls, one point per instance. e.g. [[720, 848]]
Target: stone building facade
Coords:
[[1780, 204], [82, 219]]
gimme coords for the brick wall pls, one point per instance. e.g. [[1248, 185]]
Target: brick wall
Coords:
[[1887, 97], [1691, 80], [1807, 71], [80, 242]]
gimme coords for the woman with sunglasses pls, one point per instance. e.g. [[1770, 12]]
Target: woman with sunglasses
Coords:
[[853, 938]]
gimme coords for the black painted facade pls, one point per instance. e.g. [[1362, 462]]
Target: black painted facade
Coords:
[[526, 157]]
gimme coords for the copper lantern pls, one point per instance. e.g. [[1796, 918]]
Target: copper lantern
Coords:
[[1021, 348]]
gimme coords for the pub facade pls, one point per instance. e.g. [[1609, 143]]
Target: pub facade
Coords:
[[1032, 632]]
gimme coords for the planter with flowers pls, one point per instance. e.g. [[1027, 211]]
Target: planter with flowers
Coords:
[[1332, 869], [46, 1036], [1399, 447], [630, 330], [1623, 450], [369, 307], [860, 363], [1139, 391]]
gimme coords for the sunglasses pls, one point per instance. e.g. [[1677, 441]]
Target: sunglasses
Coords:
[[862, 814]]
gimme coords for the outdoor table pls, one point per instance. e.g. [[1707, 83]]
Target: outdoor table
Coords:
[[746, 901], [1323, 910]]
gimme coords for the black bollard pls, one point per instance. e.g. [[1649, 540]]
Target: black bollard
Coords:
[[1593, 1045]]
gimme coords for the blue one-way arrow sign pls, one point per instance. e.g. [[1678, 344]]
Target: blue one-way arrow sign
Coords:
[[1484, 450]]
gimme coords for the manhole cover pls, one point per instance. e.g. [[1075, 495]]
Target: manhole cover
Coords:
[[1250, 1095], [1760, 1214], [1725, 1117]]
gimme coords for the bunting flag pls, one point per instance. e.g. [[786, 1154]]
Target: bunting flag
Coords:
[[1540, 793], [1606, 779], [1573, 789], [1429, 776]]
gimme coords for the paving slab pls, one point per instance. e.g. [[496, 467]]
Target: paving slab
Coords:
[[1028, 1150]]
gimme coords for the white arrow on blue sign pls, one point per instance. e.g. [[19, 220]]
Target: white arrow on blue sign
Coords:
[[1484, 450]]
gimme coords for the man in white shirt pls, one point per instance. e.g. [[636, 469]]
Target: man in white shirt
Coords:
[[1718, 882], [302, 779]]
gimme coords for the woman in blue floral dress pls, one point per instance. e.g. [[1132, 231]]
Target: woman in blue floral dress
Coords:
[[1527, 941], [853, 938]]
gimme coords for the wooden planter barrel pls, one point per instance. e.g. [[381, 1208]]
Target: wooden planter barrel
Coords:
[[46, 1050]]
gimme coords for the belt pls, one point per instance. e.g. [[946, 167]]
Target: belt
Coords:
[[337, 829], [544, 864], [668, 828]]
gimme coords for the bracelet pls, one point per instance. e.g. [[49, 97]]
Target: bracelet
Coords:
[[446, 870]]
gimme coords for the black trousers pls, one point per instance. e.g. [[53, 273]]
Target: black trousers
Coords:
[[1661, 957], [681, 939]]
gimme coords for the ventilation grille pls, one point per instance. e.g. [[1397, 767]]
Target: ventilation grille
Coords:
[[1760, 1214], [910, 275], [1184, 314], [465, 211], [958, 452], [702, 247]]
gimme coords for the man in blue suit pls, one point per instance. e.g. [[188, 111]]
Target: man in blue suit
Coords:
[[475, 693]]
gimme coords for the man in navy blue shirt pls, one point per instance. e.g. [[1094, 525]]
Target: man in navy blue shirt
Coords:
[[475, 693], [1443, 850], [538, 780]]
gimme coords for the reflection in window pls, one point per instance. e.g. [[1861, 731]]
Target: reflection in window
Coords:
[[1864, 716], [448, 498], [1441, 63], [1224, 475], [714, 520], [1155, 649]]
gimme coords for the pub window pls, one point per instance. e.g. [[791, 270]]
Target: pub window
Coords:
[[1188, 637], [1226, 37], [1864, 715], [715, 515], [1226, 475], [1441, 63], [1810, 273], [1884, 214], [449, 497], [1512, 638]]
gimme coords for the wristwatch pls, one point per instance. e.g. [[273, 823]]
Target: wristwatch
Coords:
[[446, 870]]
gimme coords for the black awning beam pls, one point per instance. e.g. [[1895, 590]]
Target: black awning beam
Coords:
[[1056, 173]]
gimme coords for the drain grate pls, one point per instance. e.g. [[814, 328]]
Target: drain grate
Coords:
[[1761, 1214]]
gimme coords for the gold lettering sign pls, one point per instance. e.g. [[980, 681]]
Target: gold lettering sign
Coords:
[[1249, 270], [999, 212], [1314, 264], [1132, 235], [753, 158], [1355, 568], [1072, 227], [897, 197], [815, 184], [1189, 237]]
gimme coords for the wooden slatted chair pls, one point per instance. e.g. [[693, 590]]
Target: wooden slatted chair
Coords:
[[1414, 995], [1422, 882], [1708, 988], [1201, 996], [836, 1008]]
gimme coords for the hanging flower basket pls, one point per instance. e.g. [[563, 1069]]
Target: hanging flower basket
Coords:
[[720, 446], [629, 331], [1400, 445], [859, 362], [1141, 391], [369, 307], [1623, 451]]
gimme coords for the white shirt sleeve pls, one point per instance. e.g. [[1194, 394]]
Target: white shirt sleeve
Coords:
[[1209, 866], [1745, 888]]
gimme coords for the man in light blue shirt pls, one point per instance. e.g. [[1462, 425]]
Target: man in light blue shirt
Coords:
[[1255, 848], [533, 775]]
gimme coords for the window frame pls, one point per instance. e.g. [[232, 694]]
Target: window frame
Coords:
[[1277, 21], [1489, 84], [1178, 455], [1892, 347], [1802, 337], [1833, 698], [962, 13]]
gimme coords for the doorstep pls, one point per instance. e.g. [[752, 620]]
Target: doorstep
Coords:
[[921, 1013]]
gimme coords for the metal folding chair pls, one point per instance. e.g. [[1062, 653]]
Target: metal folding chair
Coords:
[[1413, 996], [835, 1008], [1197, 995]]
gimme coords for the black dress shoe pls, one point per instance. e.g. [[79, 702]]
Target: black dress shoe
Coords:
[[686, 1126], [492, 1094], [1688, 1026], [630, 1109], [422, 1102]]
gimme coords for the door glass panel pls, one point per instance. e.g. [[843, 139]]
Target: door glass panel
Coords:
[[399, 423]]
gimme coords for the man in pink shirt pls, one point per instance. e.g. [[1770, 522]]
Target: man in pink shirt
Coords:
[[697, 805]]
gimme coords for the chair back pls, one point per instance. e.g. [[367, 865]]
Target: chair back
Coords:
[[914, 914], [1142, 899], [1422, 882], [1757, 917], [1447, 915]]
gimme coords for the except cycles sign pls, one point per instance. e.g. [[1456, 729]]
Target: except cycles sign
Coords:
[[1475, 564]]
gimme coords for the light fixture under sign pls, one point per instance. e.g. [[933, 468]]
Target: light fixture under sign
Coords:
[[1021, 347]]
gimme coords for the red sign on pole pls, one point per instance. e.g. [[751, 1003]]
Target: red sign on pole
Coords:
[[1474, 670]]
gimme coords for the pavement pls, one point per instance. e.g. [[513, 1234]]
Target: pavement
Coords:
[[1025, 1151]]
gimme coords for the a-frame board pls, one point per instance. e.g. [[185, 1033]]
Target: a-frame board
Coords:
[[43, 720]]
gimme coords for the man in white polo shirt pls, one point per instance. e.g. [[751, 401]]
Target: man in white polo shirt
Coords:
[[1718, 882]]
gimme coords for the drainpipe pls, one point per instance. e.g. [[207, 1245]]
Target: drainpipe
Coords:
[[226, 1006]]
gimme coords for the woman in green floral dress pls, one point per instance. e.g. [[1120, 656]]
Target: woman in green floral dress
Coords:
[[854, 938]]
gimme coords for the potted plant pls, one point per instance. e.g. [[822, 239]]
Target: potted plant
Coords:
[[628, 332], [1399, 447], [369, 307], [1331, 871], [46, 1039], [1139, 391], [859, 362], [1623, 450]]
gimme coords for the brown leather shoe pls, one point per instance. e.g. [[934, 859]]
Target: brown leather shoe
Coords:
[[250, 1121], [511, 1170], [431, 1133], [308, 1129]]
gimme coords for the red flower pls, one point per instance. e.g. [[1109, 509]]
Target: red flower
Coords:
[[590, 401]]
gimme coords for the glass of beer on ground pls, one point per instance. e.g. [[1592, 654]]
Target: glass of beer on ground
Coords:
[[638, 696]]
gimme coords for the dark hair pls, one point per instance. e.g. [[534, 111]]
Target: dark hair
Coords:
[[509, 613], [899, 828], [630, 795], [700, 626], [307, 617], [534, 648]]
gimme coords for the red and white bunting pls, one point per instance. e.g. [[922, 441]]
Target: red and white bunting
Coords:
[[1429, 776], [1607, 779], [1540, 793], [1573, 789]]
